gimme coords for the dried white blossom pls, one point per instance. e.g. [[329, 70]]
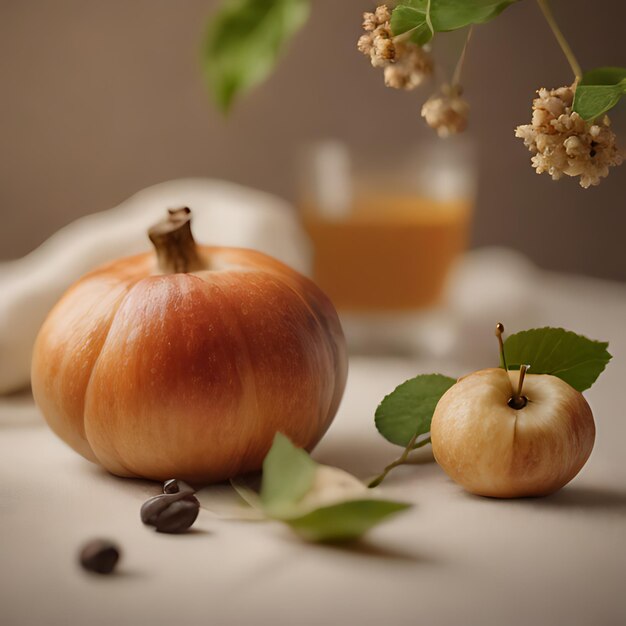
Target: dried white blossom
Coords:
[[564, 143], [380, 17], [411, 67], [405, 64], [377, 42], [446, 111]]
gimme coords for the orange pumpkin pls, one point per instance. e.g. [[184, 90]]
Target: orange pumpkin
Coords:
[[186, 363]]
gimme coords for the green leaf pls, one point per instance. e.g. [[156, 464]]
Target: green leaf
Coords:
[[244, 40], [453, 14], [573, 358], [412, 17], [345, 521], [422, 18], [408, 410], [604, 76], [288, 473], [599, 91]]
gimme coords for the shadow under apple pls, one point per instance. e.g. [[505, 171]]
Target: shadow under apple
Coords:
[[586, 497], [589, 498]]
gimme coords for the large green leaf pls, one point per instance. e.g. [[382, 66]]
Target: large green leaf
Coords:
[[408, 410], [244, 41], [573, 358], [422, 18], [599, 91], [288, 473], [344, 521]]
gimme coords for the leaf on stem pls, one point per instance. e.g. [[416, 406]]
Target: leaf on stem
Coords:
[[345, 521], [559, 352], [244, 41], [317, 502], [408, 410], [422, 18], [412, 17], [599, 91]]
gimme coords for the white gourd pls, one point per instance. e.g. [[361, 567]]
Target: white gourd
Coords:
[[224, 214]]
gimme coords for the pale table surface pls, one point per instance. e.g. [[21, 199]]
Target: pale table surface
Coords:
[[454, 559]]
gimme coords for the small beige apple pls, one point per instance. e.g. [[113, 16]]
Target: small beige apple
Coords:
[[493, 449]]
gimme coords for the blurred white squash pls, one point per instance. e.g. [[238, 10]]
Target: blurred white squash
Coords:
[[225, 214]]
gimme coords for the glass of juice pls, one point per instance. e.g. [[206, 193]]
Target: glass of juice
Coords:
[[385, 236]]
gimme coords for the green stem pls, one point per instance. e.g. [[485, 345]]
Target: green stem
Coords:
[[565, 47], [400, 460], [428, 20], [456, 77]]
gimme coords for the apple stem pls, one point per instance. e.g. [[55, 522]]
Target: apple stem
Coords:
[[402, 459], [499, 333], [518, 401], [174, 244], [522, 374]]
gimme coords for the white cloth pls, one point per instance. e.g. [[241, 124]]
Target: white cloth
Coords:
[[223, 214]]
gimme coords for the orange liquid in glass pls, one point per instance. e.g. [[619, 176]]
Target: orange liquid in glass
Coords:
[[390, 253]]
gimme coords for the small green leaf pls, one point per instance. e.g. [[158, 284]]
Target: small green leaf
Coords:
[[344, 521], [453, 14], [409, 409], [599, 91], [604, 76], [288, 474], [243, 42], [573, 358], [422, 18], [412, 17]]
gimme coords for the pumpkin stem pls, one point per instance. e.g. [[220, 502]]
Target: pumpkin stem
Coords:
[[175, 247]]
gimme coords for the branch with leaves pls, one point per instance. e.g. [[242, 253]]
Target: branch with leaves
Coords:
[[569, 134], [404, 416]]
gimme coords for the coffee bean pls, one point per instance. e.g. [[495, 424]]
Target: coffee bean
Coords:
[[171, 513], [177, 486], [99, 556]]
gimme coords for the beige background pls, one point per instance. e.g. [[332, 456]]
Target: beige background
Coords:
[[100, 99]]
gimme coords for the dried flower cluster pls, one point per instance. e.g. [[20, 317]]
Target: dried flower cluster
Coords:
[[447, 111], [563, 143], [406, 64], [377, 42]]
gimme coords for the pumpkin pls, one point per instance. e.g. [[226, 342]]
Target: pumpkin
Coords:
[[185, 362]]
